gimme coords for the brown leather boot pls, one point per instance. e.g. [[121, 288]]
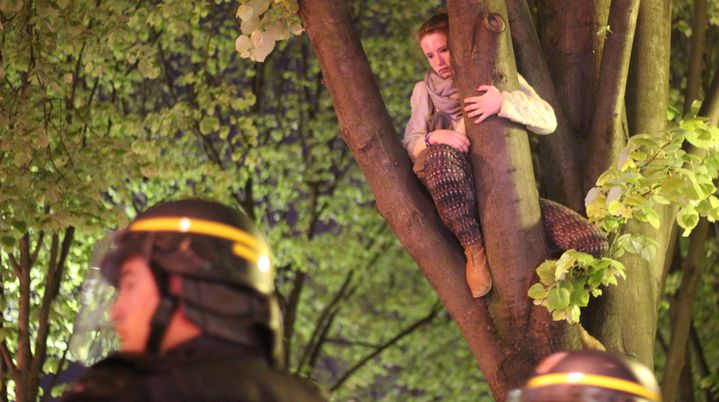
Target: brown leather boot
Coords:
[[478, 278]]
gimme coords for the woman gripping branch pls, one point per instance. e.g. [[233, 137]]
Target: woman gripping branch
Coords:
[[436, 140]]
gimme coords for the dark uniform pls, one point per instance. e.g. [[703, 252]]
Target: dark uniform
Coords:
[[204, 369], [227, 290]]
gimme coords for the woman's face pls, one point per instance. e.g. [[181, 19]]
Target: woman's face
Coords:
[[434, 46]]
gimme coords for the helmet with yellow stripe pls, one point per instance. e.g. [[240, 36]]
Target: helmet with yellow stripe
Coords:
[[588, 376], [224, 262]]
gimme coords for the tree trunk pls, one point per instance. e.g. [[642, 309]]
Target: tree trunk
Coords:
[[686, 382], [683, 312], [557, 152], [611, 320], [696, 54]]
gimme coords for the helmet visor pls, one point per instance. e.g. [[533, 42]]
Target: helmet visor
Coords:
[[93, 336]]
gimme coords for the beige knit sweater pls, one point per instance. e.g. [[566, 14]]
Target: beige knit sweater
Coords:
[[522, 106]]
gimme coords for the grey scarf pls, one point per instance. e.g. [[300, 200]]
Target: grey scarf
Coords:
[[443, 94]]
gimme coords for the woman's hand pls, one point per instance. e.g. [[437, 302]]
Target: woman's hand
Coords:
[[485, 105], [456, 140]]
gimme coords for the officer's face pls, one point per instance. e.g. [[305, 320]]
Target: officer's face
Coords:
[[136, 303]]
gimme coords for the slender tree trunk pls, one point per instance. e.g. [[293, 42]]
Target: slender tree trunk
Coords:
[[568, 29], [557, 152], [607, 133], [290, 314], [23, 353], [686, 382], [683, 313], [701, 360], [710, 106], [696, 53]]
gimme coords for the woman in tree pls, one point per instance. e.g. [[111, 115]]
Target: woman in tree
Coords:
[[436, 140]]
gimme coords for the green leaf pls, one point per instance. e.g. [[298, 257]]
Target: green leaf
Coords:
[[687, 218], [148, 69], [580, 297], [558, 298], [574, 314], [20, 226], [537, 291], [671, 185], [652, 217], [209, 125], [559, 315], [545, 271], [564, 264], [700, 138], [8, 241]]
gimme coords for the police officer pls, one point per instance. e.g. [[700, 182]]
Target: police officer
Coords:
[[588, 376], [195, 313]]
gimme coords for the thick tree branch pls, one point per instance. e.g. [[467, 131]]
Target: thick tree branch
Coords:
[[506, 194]]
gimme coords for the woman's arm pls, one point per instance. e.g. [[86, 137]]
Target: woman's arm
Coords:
[[416, 129], [416, 134], [522, 106]]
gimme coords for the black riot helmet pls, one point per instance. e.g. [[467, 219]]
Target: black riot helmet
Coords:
[[588, 376], [224, 263]]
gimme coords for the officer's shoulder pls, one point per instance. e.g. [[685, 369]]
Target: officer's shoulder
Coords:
[[109, 378], [254, 378]]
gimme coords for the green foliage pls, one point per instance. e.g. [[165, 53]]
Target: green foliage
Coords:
[[657, 170], [565, 284], [651, 170]]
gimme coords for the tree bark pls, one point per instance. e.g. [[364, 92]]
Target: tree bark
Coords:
[[568, 32], [686, 382], [607, 134], [557, 152], [683, 313], [696, 54], [710, 106]]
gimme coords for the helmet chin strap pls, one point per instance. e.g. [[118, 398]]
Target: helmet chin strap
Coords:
[[163, 314]]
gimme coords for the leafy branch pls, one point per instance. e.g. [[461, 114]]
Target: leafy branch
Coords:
[[651, 170]]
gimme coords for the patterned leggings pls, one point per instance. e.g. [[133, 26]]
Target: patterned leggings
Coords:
[[449, 180], [448, 177]]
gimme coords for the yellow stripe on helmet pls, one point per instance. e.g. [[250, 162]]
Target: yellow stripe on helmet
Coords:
[[594, 380], [246, 245]]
